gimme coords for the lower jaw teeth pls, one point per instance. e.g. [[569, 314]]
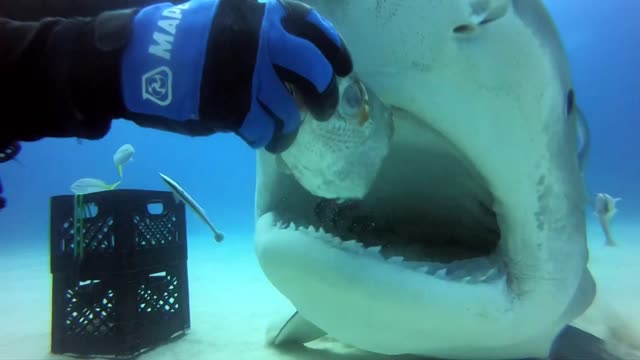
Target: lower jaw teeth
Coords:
[[475, 270]]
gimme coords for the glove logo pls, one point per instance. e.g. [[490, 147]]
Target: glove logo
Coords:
[[156, 86]]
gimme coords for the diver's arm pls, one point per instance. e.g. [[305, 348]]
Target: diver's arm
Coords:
[[40, 41], [36, 10], [195, 69], [57, 82]]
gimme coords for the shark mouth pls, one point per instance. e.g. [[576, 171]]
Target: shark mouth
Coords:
[[436, 219]]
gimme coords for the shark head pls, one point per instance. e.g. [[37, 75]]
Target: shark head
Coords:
[[471, 242]]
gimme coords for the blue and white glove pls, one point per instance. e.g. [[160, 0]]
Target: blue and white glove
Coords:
[[225, 65]]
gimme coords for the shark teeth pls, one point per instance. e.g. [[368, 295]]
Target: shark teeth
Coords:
[[472, 271], [353, 246], [374, 249]]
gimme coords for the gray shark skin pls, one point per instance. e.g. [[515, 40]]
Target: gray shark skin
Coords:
[[471, 241]]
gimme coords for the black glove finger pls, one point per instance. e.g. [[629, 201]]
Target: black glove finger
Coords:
[[303, 21], [320, 105], [272, 123], [281, 141]]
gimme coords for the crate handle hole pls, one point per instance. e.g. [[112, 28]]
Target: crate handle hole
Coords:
[[88, 282], [155, 208], [90, 210]]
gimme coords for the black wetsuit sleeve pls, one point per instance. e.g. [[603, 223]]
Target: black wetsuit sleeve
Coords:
[[36, 10], [59, 67]]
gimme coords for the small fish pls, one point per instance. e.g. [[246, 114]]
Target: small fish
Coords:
[[181, 194], [91, 185], [122, 156], [605, 210]]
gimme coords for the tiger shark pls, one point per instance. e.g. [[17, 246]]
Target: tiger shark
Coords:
[[471, 242]]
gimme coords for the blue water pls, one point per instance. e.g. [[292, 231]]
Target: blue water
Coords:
[[218, 171], [602, 42]]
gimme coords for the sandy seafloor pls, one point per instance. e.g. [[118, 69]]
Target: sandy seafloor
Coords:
[[232, 302]]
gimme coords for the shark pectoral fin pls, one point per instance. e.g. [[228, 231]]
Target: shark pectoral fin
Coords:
[[295, 330], [582, 299], [575, 344]]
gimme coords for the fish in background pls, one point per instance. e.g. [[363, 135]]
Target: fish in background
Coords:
[[181, 194], [122, 156], [90, 185], [605, 210]]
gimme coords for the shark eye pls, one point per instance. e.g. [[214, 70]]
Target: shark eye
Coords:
[[571, 101], [351, 101]]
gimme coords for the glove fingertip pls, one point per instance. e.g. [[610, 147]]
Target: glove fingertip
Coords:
[[322, 106], [343, 65], [281, 142]]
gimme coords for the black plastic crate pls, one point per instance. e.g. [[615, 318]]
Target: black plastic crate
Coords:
[[129, 291], [119, 314], [126, 230]]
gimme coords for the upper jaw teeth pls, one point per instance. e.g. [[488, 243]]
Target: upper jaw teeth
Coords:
[[475, 270]]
